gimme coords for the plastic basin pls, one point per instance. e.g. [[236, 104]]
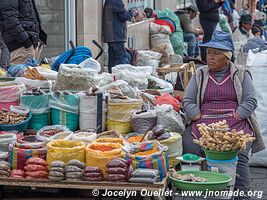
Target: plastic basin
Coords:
[[217, 155], [216, 181], [21, 127]]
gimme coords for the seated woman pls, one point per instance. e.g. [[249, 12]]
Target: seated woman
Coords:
[[255, 43], [221, 91]]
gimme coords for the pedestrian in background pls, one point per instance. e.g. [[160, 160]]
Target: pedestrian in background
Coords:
[[243, 33], [4, 53], [190, 34], [22, 31], [115, 17], [209, 18]]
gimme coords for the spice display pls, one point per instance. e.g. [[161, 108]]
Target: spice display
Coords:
[[7, 117], [33, 74], [93, 174], [159, 133], [5, 170], [59, 164], [36, 168], [36, 161], [218, 137], [76, 163], [17, 174], [118, 169], [74, 170], [136, 138], [101, 147], [57, 171]]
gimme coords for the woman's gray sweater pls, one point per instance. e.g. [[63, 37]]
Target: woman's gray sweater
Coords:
[[249, 101]]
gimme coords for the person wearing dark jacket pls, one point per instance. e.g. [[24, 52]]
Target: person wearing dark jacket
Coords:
[[4, 53], [115, 17], [209, 18], [22, 32]]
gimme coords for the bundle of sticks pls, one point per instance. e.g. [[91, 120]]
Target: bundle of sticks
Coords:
[[219, 137], [33, 74]]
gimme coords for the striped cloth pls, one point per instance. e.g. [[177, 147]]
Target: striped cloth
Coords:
[[254, 43]]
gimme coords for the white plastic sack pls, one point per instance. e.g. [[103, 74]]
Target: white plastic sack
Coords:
[[259, 81], [74, 77], [135, 76], [257, 59], [66, 103], [88, 112], [170, 119], [40, 137], [91, 64], [6, 140], [162, 40], [149, 58], [86, 137], [155, 29], [32, 84], [167, 87], [126, 89]]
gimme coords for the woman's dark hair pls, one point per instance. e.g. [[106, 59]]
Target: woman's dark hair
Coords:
[[255, 30]]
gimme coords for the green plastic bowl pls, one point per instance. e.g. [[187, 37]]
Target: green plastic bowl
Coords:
[[216, 181], [225, 155]]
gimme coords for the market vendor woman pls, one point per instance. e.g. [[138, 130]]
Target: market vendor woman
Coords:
[[221, 91]]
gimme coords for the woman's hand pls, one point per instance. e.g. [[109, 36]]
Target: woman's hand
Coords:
[[197, 117], [237, 116]]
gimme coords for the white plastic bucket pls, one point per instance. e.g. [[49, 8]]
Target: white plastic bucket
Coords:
[[224, 166]]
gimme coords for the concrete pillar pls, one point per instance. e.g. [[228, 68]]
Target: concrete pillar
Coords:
[[89, 23]]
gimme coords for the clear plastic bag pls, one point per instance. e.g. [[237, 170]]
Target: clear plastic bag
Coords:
[[10, 91], [66, 135], [167, 87], [68, 103], [91, 64], [38, 104], [126, 89], [86, 137], [170, 119], [74, 77], [41, 137], [33, 84], [20, 109], [47, 73], [104, 79]]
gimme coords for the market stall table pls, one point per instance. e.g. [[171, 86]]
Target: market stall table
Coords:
[[84, 185]]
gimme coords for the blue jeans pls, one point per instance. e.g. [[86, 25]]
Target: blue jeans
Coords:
[[208, 28], [117, 54], [190, 39]]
